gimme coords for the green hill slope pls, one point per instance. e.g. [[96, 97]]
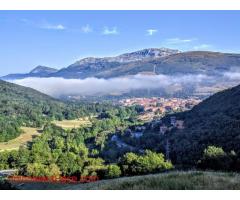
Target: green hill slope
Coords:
[[192, 180], [21, 106], [215, 121], [24, 106]]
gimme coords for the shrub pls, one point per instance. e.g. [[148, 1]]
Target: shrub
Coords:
[[216, 159], [113, 171], [150, 162]]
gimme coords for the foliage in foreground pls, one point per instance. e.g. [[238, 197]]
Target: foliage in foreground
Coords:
[[192, 180], [215, 158], [150, 162]]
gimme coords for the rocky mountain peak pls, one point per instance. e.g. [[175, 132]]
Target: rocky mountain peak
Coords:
[[43, 69]]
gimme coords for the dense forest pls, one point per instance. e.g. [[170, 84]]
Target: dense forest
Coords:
[[77, 152], [213, 122], [21, 106]]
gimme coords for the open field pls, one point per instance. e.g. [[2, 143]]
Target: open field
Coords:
[[29, 133], [26, 136], [69, 124], [176, 180]]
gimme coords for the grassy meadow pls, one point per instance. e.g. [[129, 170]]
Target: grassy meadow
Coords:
[[175, 180], [29, 133], [26, 136], [70, 124], [192, 180]]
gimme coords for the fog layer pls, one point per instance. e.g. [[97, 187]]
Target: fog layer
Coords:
[[95, 86]]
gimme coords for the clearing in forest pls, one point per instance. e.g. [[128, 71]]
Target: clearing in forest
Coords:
[[70, 124], [27, 136]]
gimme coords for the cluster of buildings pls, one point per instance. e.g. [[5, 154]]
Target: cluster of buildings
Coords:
[[161, 128], [158, 106], [174, 123]]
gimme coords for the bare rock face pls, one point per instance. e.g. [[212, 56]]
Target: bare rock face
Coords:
[[130, 57]]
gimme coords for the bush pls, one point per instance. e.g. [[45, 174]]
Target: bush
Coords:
[[216, 159], [54, 170], [40, 170], [113, 171], [150, 162], [37, 170]]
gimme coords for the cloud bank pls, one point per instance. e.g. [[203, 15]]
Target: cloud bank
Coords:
[[97, 86]]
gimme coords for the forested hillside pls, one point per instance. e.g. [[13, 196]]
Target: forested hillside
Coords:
[[215, 121], [21, 106]]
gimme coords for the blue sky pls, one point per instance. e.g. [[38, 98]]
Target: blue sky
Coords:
[[58, 38]]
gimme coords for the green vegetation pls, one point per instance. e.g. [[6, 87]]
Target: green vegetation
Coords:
[[214, 122], [151, 162], [209, 141], [176, 180], [21, 106], [77, 152], [173, 181], [113, 171], [75, 123], [40, 170], [216, 159], [27, 135]]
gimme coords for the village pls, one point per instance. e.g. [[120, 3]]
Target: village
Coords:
[[156, 107], [153, 109]]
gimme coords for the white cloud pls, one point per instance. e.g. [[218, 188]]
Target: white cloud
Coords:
[[95, 86], [53, 26], [57, 87], [42, 24], [110, 31], [202, 47], [232, 75], [175, 41], [151, 31], [86, 29]]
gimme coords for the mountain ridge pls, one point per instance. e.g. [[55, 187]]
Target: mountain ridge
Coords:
[[95, 63], [153, 60], [38, 71], [43, 69], [132, 56]]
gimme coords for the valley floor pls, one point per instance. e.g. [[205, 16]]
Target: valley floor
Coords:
[[175, 180]]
